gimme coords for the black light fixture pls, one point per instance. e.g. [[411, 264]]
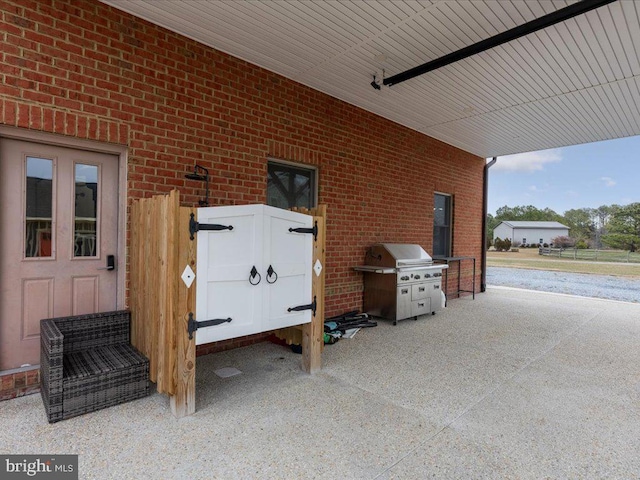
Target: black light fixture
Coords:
[[375, 84], [201, 174]]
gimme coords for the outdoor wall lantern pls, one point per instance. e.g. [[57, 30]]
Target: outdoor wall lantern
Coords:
[[201, 174]]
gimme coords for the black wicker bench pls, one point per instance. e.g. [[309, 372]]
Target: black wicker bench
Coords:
[[87, 363]]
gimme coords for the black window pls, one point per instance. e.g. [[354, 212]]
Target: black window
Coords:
[[441, 225], [290, 185]]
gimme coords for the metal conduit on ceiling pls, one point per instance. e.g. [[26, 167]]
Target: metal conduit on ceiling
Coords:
[[545, 21]]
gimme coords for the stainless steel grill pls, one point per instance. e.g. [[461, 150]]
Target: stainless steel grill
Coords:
[[401, 281]]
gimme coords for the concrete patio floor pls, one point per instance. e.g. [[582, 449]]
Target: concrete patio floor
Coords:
[[513, 384]]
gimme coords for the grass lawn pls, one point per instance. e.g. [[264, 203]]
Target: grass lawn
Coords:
[[529, 258]]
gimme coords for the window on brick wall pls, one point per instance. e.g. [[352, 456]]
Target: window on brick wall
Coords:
[[291, 185], [442, 225]]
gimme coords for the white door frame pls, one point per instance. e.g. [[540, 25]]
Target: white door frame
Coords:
[[93, 146]]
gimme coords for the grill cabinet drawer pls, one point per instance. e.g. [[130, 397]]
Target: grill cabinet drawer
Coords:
[[419, 291], [421, 307]]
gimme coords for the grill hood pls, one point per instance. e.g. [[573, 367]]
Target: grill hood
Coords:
[[398, 255]]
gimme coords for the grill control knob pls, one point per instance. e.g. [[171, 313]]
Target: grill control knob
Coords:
[[417, 277], [427, 276], [405, 278]]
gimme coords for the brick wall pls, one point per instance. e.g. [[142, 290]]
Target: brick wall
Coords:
[[19, 382], [87, 70]]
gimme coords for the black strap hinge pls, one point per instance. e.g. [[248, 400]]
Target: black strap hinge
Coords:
[[313, 230], [194, 325], [196, 226], [300, 308]]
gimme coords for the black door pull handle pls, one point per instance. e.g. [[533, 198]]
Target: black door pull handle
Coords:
[[254, 273], [270, 273]]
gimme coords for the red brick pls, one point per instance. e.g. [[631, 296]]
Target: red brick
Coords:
[[8, 395], [33, 377], [20, 380], [7, 383], [35, 117], [9, 111]]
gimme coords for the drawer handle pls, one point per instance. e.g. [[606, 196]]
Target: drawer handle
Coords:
[[404, 291], [421, 289]]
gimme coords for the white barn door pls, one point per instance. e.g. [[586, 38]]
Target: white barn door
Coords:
[[226, 287], [289, 254], [253, 269]]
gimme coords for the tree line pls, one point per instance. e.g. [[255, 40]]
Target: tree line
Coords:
[[612, 226]]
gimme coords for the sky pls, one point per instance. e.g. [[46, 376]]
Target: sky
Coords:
[[581, 176]]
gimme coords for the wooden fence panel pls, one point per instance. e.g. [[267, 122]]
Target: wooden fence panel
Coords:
[[159, 299]]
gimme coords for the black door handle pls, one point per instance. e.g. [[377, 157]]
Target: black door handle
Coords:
[[271, 273], [253, 274], [111, 263]]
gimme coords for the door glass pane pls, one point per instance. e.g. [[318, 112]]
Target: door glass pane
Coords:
[[39, 209], [86, 209]]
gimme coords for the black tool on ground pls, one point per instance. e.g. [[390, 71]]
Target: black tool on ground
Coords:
[[347, 321]]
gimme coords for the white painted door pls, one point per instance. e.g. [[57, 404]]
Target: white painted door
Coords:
[[58, 225], [289, 254], [225, 284], [233, 276]]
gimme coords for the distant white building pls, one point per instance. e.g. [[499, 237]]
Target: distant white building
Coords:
[[530, 232]]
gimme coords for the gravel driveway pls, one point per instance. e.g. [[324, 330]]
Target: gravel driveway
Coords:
[[586, 285]]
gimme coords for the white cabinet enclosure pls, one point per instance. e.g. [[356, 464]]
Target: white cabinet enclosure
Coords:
[[252, 269]]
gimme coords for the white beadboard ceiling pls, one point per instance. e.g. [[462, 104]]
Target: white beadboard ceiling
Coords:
[[572, 83]]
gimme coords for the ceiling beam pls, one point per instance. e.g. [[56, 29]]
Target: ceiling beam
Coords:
[[545, 21]]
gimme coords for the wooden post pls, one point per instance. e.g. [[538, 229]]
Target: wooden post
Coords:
[[313, 333], [160, 302], [183, 402], [168, 293]]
